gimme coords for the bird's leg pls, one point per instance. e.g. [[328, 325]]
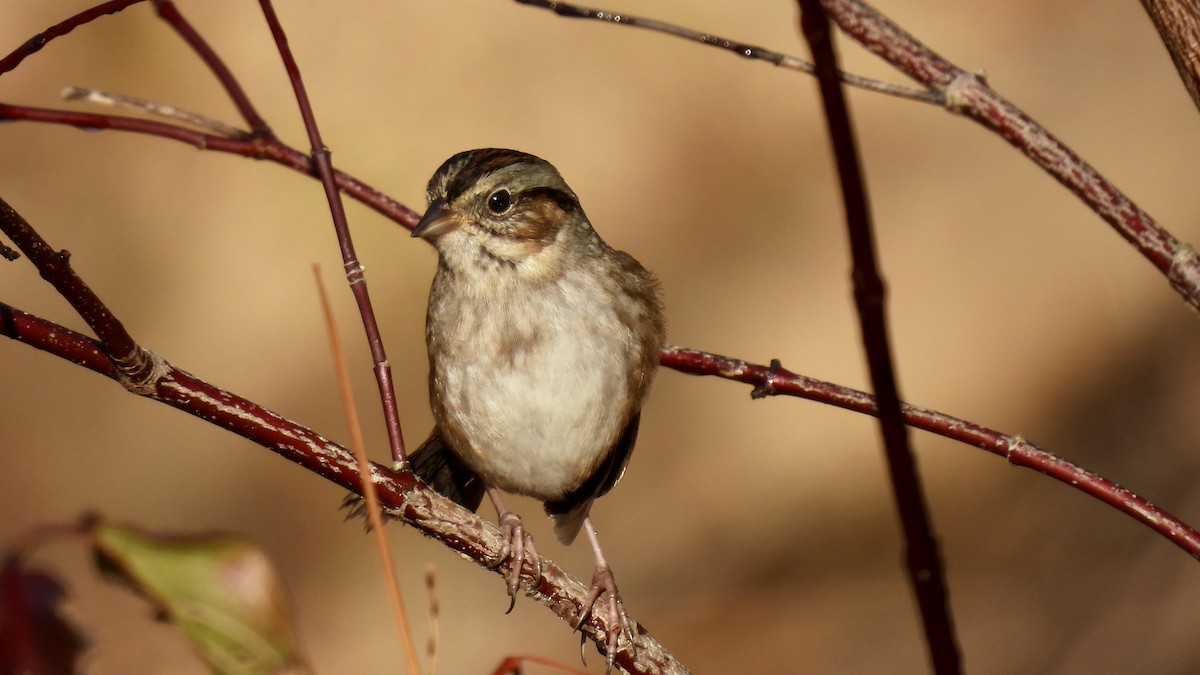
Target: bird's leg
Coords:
[[517, 545], [604, 582]]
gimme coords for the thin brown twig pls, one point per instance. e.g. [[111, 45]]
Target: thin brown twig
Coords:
[[35, 44], [359, 445], [967, 93], [926, 571], [169, 13], [264, 146], [270, 149], [573, 11]]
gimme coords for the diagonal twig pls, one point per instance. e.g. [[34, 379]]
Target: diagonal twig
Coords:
[[40, 40], [168, 12], [355, 276], [1178, 24], [137, 369]]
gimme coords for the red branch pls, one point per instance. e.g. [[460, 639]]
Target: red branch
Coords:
[[776, 381], [271, 149], [399, 492]]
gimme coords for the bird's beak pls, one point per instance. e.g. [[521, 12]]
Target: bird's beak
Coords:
[[438, 220]]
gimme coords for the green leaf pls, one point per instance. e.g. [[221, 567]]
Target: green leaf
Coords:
[[223, 593]]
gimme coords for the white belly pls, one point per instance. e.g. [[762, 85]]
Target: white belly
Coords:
[[541, 408]]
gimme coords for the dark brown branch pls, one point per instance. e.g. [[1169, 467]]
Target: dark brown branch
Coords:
[[35, 43], [83, 351], [169, 13], [137, 367], [925, 568]]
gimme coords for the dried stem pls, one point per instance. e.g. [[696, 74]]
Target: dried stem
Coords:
[[925, 568], [367, 489], [152, 107]]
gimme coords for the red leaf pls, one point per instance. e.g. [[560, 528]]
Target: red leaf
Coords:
[[34, 639]]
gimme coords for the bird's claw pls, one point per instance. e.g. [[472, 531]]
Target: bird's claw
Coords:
[[618, 623], [518, 548]]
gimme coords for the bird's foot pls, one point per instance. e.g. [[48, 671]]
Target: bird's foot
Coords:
[[618, 623], [518, 549]]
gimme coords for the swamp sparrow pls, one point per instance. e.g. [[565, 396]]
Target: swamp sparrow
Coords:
[[543, 342]]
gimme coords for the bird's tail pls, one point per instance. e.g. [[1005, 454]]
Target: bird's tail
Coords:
[[436, 464]]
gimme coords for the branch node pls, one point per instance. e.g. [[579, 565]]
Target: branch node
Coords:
[[1014, 445], [355, 272], [1184, 272], [141, 370], [767, 386], [955, 93]]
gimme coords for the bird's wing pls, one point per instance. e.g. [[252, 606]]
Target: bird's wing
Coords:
[[568, 513]]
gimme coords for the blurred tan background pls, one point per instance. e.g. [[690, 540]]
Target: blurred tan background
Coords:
[[748, 536]]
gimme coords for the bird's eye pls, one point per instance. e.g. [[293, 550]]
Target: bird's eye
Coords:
[[499, 201]]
